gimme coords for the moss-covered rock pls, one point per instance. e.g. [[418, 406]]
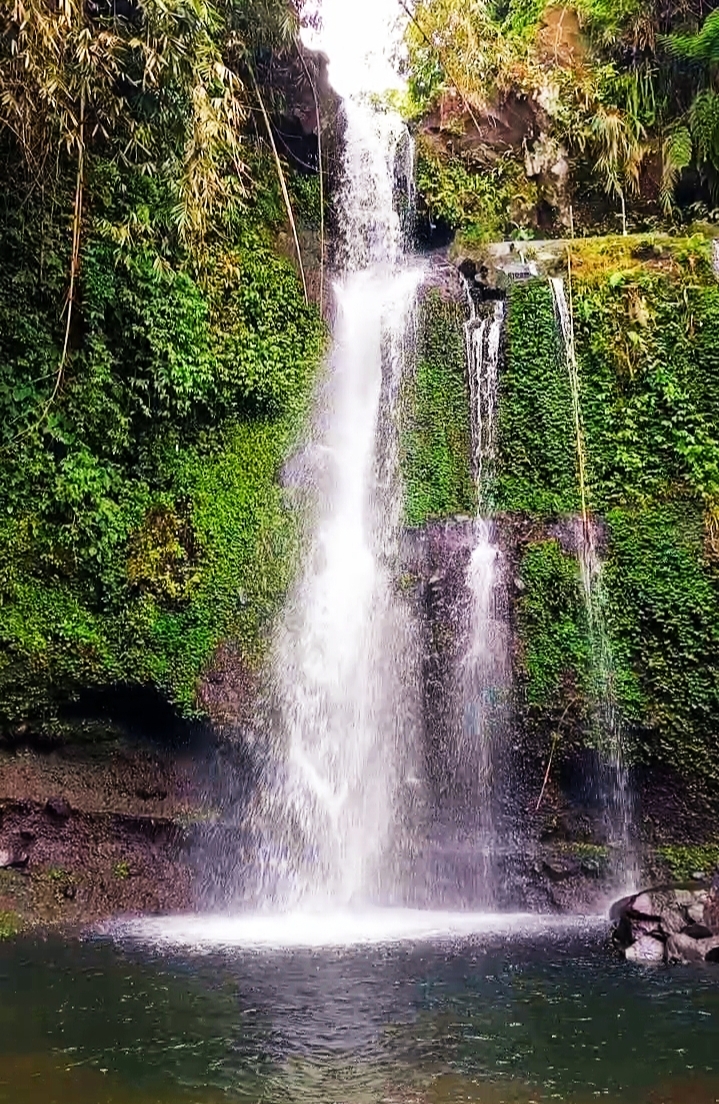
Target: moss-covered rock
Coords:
[[436, 434], [647, 335]]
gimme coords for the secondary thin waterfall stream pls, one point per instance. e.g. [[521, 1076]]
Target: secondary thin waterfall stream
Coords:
[[613, 782], [485, 667]]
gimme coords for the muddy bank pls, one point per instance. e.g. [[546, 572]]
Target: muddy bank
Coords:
[[87, 835]]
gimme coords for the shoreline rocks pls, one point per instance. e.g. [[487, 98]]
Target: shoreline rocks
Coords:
[[669, 924]]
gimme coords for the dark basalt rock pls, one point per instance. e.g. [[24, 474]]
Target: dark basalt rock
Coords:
[[151, 794], [561, 871], [59, 808], [697, 931]]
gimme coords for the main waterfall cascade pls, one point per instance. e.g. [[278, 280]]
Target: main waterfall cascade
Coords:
[[366, 791], [344, 664]]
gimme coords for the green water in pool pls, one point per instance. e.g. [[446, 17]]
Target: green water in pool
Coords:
[[490, 1018]]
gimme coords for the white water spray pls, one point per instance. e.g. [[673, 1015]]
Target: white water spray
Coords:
[[483, 338], [343, 661]]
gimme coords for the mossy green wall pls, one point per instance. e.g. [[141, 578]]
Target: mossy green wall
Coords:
[[536, 464], [142, 520], [436, 434], [648, 355]]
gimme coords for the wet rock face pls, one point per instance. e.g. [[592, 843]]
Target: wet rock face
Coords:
[[86, 835], [672, 924]]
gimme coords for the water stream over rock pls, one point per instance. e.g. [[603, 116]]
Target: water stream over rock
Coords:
[[485, 671], [612, 782]]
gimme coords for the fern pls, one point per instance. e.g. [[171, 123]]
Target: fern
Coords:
[[704, 124], [676, 156], [703, 46]]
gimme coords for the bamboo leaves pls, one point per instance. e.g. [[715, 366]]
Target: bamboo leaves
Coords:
[[149, 81]]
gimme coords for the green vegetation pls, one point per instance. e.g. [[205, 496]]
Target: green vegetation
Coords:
[[10, 925], [553, 626], [436, 434], [664, 622], [139, 506], [156, 351], [686, 863], [482, 203], [611, 107], [647, 345], [537, 466]]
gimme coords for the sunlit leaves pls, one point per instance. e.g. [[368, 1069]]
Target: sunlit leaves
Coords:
[[152, 88]]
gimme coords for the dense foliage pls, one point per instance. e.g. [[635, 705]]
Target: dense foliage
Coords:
[[436, 436], [553, 627], [537, 469], [156, 351], [647, 346], [562, 103]]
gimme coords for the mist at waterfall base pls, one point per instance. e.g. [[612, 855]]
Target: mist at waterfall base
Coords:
[[333, 814]]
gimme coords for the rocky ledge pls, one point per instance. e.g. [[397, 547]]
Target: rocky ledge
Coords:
[[89, 834], [674, 923]]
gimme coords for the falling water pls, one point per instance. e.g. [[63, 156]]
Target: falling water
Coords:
[[483, 337], [344, 685], [485, 667], [617, 792]]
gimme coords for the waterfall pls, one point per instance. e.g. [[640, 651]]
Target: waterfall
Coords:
[[614, 782], [482, 338], [344, 687], [485, 676]]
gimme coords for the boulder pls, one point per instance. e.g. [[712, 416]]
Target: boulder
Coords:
[[619, 908], [684, 949], [710, 915], [645, 925], [59, 808], [660, 914], [12, 859], [643, 905], [663, 904], [695, 911], [673, 921], [646, 949]]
